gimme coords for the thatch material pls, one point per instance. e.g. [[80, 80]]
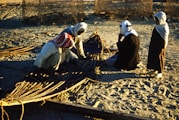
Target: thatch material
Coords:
[[43, 85], [94, 46], [26, 92], [40, 86], [15, 51]]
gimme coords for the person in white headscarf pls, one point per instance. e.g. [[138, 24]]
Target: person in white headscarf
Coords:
[[128, 44], [58, 50], [158, 44]]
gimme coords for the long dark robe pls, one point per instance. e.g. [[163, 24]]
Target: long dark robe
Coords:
[[128, 53], [156, 52]]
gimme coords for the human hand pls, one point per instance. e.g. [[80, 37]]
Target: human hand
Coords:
[[82, 57], [120, 36]]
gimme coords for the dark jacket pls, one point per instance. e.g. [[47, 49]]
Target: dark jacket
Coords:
[[128, 53]]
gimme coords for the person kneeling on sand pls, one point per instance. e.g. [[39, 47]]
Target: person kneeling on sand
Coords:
[[128, 43], [158, 44], [58, 50]]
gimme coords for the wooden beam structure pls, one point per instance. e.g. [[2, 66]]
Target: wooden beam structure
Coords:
[[90, 111]]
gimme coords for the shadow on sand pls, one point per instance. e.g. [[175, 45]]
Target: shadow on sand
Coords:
[[13, 72]]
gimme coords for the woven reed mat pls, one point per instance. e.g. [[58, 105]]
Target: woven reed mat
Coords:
[[37, 86], [41, 86]]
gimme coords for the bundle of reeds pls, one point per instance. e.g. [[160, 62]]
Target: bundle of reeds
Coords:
[[15, 51], [26, 92]]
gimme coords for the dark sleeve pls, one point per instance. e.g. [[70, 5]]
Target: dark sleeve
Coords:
[[119, 41], [135, 42]]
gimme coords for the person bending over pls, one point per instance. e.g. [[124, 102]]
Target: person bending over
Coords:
[[58, 50]]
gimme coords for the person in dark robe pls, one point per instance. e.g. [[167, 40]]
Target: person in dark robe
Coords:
[[128, 44], [158, 44]]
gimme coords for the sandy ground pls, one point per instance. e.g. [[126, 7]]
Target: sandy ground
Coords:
[[126, 91]]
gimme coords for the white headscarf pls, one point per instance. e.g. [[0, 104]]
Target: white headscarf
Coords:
[[77, 27], [162, 28], [126, 28]]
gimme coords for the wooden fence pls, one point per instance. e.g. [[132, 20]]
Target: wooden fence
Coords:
[[124, 7], [172, 8], [76, 10], [46, 10]]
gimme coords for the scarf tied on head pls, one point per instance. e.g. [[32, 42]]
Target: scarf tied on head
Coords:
[[126, 28], [162, 28], [82, 26]]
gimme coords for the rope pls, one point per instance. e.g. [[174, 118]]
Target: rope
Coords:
[[4, 112], [22, 113]]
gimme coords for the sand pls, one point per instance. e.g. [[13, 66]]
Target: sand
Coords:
[[132, 91]]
